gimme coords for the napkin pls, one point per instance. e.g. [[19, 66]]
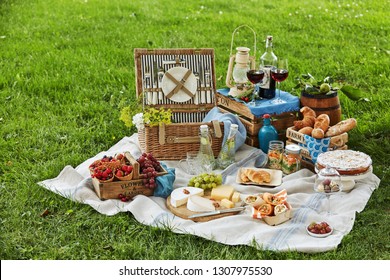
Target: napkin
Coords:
[[316, 146], [228, 119], [165, 183]]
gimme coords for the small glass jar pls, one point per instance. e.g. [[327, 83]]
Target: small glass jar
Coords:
[[275, 153], [291, 160]]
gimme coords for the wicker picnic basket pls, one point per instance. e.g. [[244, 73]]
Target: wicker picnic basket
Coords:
[[182, 80]]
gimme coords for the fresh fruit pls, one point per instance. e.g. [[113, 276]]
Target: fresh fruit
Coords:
[[319, 228], [324, 88], [102, 173], [205, 181], [149, 167]]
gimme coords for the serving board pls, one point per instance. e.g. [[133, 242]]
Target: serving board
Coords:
[[184, 213]]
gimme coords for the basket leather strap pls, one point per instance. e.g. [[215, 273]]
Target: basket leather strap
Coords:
[[217, 129], [179, 84]]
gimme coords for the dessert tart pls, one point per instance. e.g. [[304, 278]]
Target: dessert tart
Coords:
[[346, 162]]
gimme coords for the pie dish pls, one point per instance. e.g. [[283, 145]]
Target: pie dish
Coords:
[[346, 162]]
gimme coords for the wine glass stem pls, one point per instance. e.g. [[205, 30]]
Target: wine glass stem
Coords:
[[328, 198]]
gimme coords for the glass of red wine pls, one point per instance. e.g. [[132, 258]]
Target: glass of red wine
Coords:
[[279, 72], [255, 76]]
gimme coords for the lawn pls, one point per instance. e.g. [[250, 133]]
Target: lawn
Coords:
[[67, 68]]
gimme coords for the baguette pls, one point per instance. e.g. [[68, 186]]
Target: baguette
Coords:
[[338, 140], [341, 127]]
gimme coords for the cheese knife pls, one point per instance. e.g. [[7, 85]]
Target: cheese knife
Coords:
[[216, 212]]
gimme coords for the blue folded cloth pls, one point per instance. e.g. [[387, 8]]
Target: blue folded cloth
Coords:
[[228, 119], [316, 146], [165, 183]]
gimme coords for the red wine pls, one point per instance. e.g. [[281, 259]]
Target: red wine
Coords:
[[255, 76], [279, 75]]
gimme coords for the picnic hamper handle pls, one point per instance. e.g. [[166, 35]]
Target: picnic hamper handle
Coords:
[[234, 33], [163, 139], [135, 165]]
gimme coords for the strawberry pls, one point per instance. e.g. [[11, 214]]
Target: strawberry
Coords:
[[119, 173]]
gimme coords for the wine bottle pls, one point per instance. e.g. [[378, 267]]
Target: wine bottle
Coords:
[[267, 88]]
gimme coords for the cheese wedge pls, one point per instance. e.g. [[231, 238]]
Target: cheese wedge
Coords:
[[199, 204], [222, 192], [236, 197], [227, 203], [180, 196]]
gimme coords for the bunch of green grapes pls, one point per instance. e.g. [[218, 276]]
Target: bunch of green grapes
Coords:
[[206, 181]]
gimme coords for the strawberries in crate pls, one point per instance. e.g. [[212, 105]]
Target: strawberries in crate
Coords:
[[103, 174]]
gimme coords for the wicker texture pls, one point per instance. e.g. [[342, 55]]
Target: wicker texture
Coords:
[[149, 140]]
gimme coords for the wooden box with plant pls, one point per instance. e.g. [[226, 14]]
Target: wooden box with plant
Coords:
[[176, 90]]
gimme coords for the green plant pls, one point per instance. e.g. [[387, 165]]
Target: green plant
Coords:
[[150, 116], [308, 84]]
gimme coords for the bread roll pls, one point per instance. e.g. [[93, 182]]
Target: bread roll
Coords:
[[341, 127], [318, 133], [322, 121], [306, 130]]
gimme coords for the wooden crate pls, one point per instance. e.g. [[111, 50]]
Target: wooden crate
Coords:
[[183, 134], [295, 137], [131, 188], [252, 123]]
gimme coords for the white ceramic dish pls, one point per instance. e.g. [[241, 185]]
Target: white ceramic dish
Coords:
[[319, 235], [276, 177], [168, 85]]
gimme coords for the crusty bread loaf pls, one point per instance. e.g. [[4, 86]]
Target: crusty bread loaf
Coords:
[[341, 127], [338, 140]]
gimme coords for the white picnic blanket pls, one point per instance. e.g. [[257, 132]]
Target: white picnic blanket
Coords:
[[75, 184]]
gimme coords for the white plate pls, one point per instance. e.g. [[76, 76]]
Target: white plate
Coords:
[[168, 85], [319, 235], [276, 177]]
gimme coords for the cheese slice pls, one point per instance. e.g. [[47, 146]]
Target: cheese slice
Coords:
[[199, 204], [180, 196], [227, 203], [236, 197], [222, 192]]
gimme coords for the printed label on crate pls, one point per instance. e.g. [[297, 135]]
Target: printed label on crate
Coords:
[[295, 135]]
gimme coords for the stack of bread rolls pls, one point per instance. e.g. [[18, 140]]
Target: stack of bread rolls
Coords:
[[318, 127]]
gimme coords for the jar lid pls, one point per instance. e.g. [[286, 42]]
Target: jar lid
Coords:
[[292, 148]]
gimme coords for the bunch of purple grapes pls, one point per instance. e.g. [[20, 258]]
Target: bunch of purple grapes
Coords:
[[149, 167]]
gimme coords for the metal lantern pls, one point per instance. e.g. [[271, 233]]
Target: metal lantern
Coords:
[[239, 64]]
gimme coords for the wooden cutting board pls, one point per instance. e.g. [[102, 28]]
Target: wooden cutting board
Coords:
[[184, 213]]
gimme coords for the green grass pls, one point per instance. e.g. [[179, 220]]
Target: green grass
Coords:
[[66, 68]]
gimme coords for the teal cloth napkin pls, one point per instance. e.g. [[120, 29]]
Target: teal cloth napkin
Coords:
[[165, 183], [316, 146], [228, 119]]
